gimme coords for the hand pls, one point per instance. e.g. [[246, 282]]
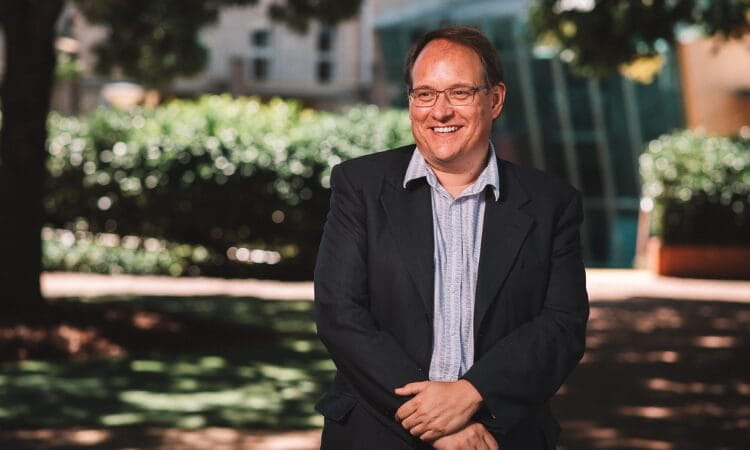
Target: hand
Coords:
[[438, 408], [473, 437]]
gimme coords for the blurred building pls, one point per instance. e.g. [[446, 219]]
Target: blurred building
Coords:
[[326, 67], [716, 84], [250, 55]]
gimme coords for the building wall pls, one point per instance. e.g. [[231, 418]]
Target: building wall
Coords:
[[716, 84], [292, 58]]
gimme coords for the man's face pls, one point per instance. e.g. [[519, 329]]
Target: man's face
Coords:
[[453, 138]]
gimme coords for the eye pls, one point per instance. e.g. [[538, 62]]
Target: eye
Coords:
[[461, 93], [424, 94]]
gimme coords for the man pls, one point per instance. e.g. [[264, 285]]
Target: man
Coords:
[[449, 286]]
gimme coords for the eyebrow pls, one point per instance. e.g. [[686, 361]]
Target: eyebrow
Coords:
[[456, 85]]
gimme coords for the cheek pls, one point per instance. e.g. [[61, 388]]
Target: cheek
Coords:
[[416, 116]]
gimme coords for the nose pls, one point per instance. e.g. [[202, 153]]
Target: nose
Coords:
[[441, 110]]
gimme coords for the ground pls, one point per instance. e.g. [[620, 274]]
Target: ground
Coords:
[[117, 362]]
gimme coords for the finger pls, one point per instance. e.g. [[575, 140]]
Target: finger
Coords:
[[490, 442], [429, 435], [411, 388], [478, 442], [441, 444], [412, 421], [406, 410]]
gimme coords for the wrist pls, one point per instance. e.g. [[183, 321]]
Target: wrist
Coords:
[[471, 393]]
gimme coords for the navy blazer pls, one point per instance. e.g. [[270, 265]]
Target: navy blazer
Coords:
[[374, 282]]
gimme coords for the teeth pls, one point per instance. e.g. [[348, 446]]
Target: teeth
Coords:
[[445, 129]]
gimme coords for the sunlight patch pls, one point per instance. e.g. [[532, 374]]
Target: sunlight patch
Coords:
[[121, 419], [147, 366]]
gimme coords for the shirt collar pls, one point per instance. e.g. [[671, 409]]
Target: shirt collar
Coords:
[[490, 176]]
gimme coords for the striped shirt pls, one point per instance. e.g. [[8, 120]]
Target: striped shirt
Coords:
[[457, 225]]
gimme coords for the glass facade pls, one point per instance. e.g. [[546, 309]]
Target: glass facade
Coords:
[[588, 131]]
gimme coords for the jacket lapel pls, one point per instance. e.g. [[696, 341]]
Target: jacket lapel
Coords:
[[505, 228], [409, 213]]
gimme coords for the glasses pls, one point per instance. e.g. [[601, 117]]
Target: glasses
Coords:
[[456, 96]]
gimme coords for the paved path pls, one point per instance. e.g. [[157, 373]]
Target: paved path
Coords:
[[666, 367], [603, 284]]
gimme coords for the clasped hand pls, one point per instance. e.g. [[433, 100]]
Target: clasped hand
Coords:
[[438, 408]]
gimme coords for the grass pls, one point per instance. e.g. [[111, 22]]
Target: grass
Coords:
[[180, 362]]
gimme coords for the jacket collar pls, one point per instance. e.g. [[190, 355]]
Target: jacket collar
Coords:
[[409, 212]]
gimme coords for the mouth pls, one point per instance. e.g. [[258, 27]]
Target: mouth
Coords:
[[445, 130]]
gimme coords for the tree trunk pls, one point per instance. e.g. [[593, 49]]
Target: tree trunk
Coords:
[[29, 29]]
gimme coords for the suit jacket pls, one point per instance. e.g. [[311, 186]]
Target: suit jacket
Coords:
[[374, 281]]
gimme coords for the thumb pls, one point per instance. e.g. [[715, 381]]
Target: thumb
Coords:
[[412, 388]]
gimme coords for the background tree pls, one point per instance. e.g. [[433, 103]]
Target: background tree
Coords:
[[598, 37], [153, 41], [29, 29]]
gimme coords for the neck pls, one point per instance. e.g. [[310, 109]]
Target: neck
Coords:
[[458, 177]]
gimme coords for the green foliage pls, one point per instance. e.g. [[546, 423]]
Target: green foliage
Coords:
[[297, 13], [700, 187], [65, 250], [67, 67], [600, 36], [218, 172]]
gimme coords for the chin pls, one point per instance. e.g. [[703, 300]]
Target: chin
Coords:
[[445, 157]]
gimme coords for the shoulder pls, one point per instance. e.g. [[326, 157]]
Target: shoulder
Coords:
[[540, 187], [375, 167], [381, 160]]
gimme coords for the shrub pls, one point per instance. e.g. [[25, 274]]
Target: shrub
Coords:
[[700, 187], [218, 172]]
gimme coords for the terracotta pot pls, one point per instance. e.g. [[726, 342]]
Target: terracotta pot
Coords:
[[699, 261]]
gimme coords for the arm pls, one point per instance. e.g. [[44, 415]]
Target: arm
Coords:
[[525, 368], [370, 358]]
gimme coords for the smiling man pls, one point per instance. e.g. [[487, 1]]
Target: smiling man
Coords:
[[449, 286]]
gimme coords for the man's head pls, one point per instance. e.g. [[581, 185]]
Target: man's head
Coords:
[[455, 84]]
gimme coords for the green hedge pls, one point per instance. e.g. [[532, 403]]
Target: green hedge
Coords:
[[700, 187], [217, 172]]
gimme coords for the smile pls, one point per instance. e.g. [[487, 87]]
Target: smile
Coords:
[[445, 129]]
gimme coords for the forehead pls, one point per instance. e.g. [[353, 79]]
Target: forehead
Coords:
[[443, 62]]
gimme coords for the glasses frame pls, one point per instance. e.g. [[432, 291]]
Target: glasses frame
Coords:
[[446, 93]]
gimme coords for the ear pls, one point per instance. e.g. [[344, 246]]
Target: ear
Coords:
[[497, 95]]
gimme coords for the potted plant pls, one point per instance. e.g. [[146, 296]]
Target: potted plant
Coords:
[[698, 189]]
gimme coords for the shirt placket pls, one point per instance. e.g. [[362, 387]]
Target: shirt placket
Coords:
[[455, 283]]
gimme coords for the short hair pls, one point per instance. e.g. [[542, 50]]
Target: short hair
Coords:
[[469, 37]]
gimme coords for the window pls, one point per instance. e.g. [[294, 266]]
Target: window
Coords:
[[259, 69], [260, 38], [325, 39], [261, 54], [325, 71], [324, 66]]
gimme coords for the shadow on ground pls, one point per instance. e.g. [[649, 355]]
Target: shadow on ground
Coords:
[[129, 372], [163, 362], [661, 374]]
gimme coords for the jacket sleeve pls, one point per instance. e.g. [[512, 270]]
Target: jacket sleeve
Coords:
[[370, 359], [525, 368]]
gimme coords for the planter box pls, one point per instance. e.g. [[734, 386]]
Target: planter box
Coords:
[[699, 261]]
